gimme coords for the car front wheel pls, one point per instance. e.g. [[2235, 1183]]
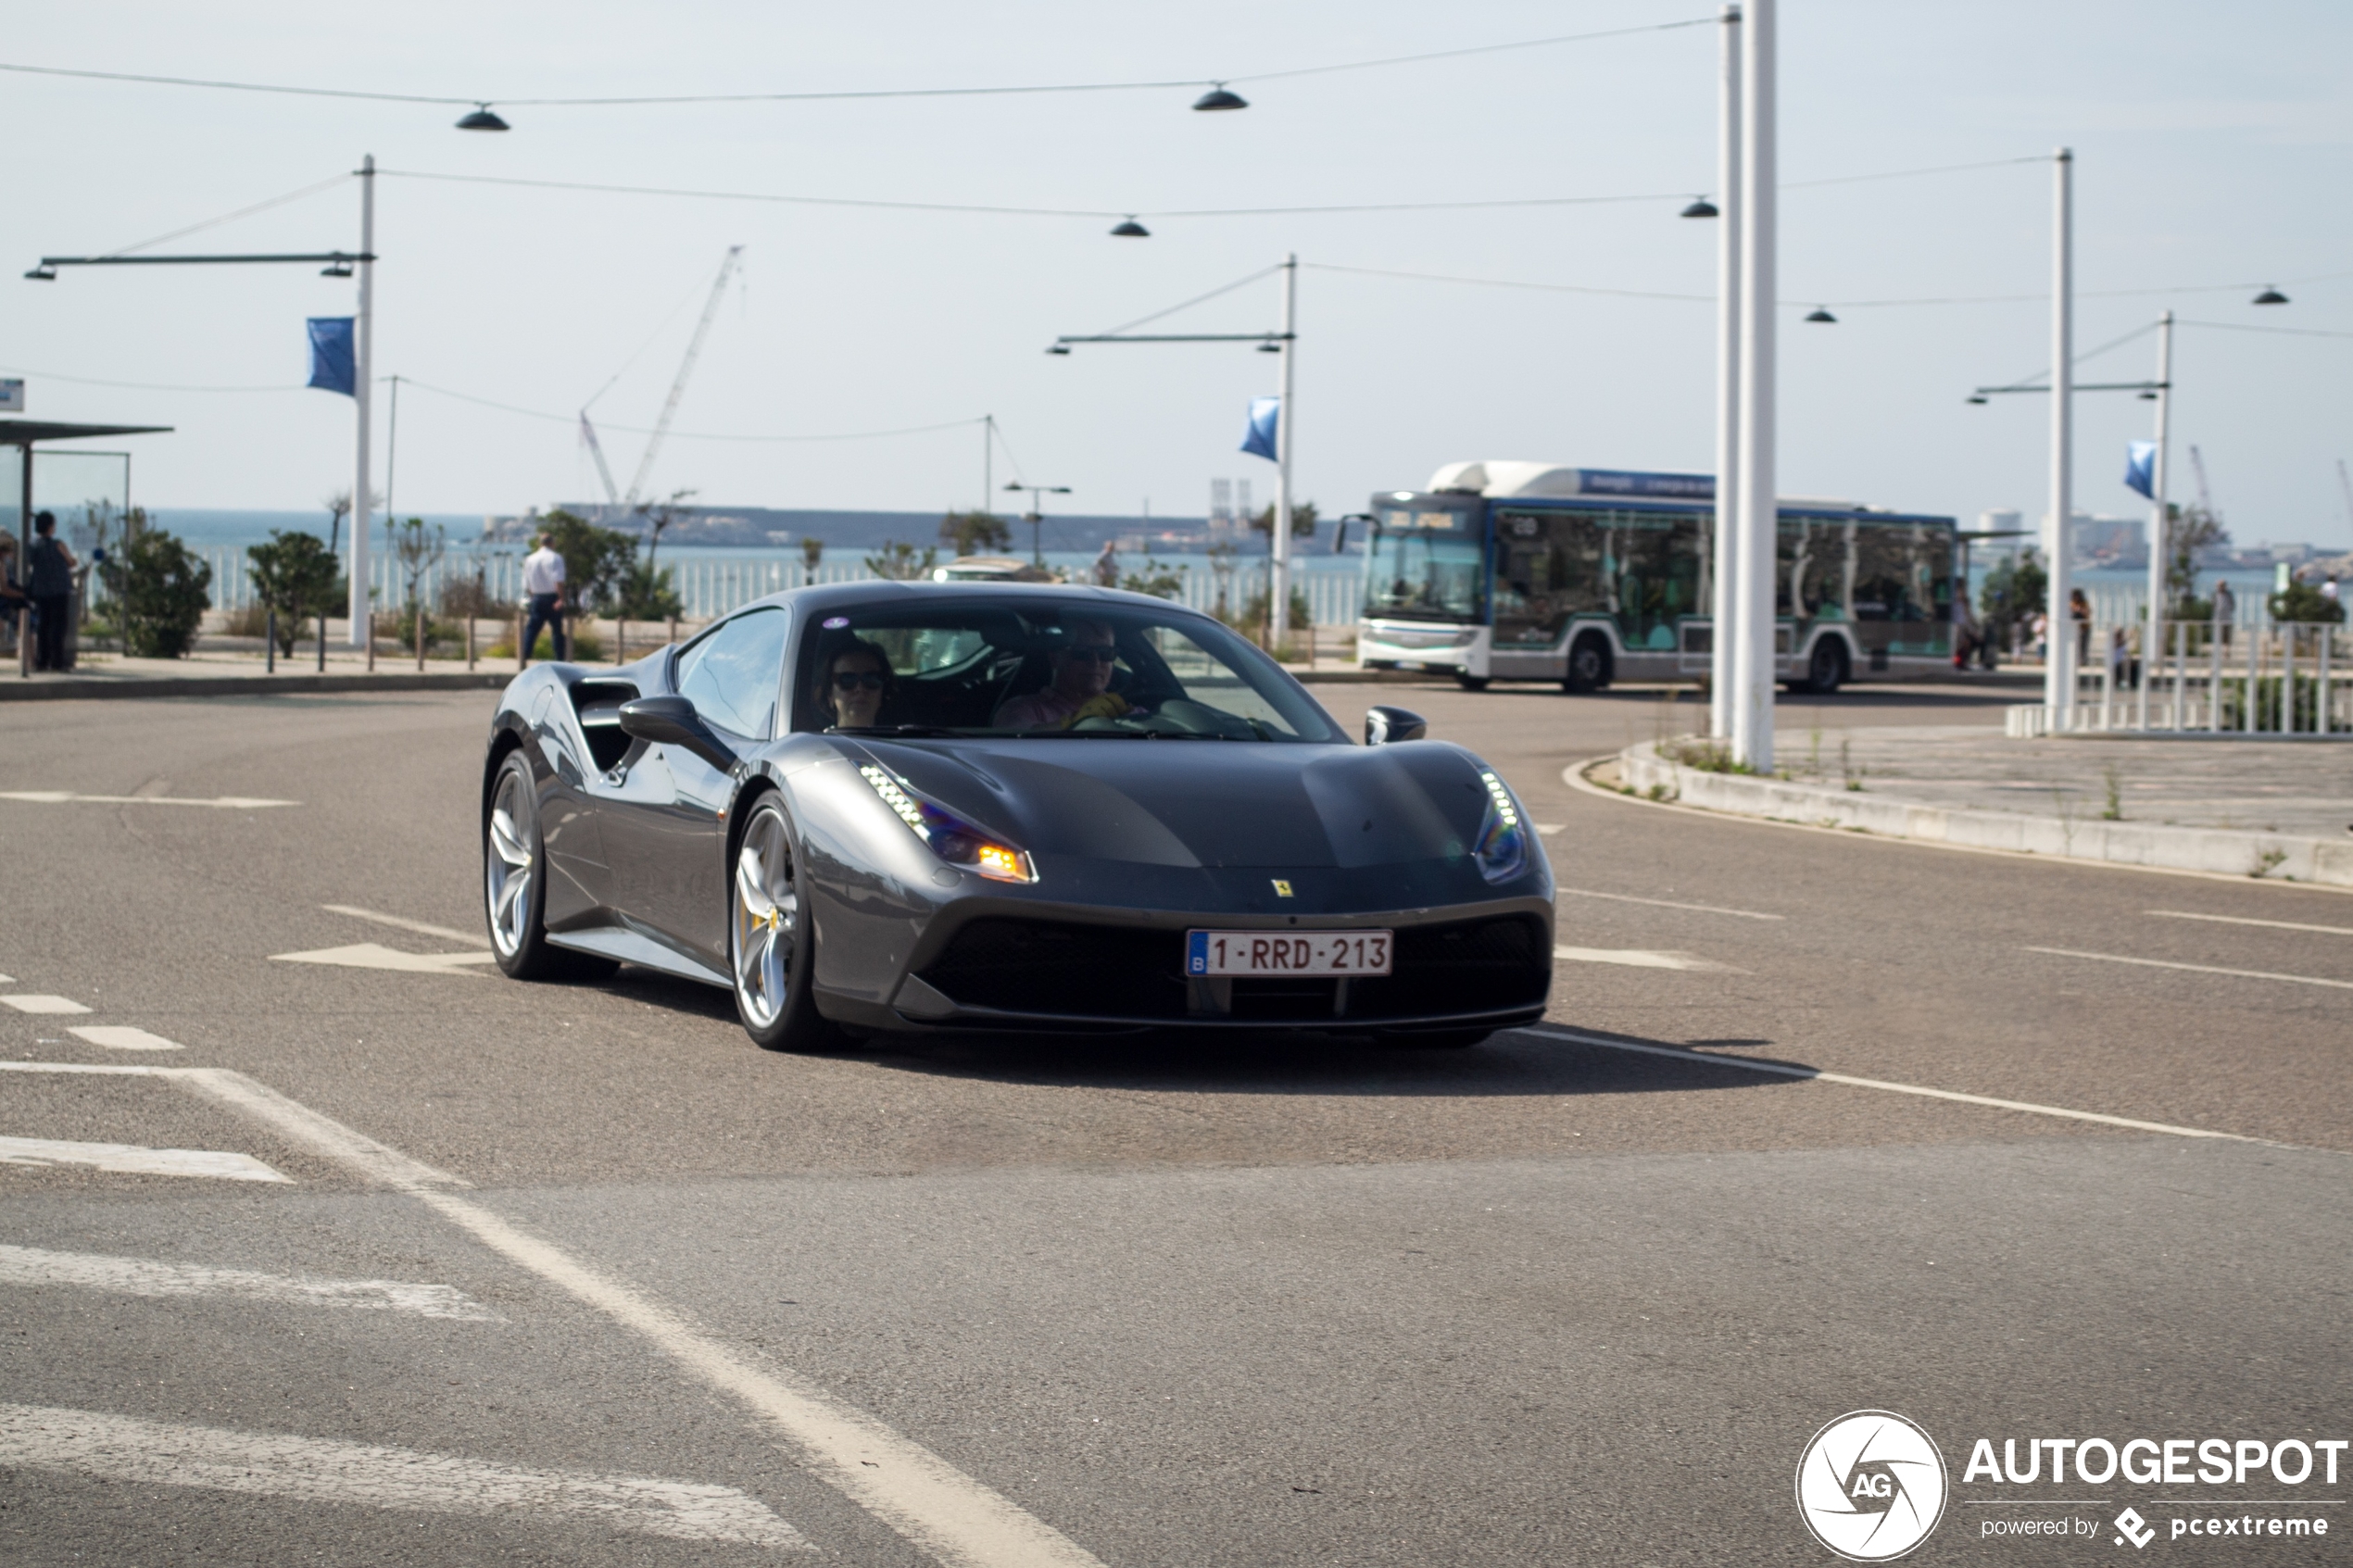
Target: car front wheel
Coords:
[[514, 883], [771, 940]]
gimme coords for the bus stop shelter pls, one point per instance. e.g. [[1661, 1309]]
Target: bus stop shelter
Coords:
[[66, 478]]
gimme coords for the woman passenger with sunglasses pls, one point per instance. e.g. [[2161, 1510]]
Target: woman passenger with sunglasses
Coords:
[[855, 680]]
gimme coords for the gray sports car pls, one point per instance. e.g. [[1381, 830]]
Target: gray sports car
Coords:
[[887, 807]]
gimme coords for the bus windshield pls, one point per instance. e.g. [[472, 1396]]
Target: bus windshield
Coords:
[[1424, 564]]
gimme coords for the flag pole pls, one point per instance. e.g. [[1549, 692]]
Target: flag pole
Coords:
[[361, 369], [2153, 639], [2059, 663], [1758, 509], [1278, 564], [1725, 603]]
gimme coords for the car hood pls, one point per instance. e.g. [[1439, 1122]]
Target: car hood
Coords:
[[1202, 803]]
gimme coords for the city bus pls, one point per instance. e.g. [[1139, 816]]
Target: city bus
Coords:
[[1531, 571]]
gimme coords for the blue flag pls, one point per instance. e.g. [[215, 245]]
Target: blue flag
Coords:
[[331, 359], [2140, 466], [1260, 437]]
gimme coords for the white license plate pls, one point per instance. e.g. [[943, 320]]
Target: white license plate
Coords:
[[1321, 953]]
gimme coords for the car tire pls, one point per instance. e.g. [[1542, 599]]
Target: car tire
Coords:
[[514, 883], [1471, 683], [1825, 668], [1589, 669], [772, 943]]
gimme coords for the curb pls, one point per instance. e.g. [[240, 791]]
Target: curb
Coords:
[[2209, 851], [72, 690]]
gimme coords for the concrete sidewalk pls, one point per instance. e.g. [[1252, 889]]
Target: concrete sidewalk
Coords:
[[237, 672], [2266, 808]]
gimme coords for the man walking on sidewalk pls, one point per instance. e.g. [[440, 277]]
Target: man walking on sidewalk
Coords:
[[50, 585], [543, 581]]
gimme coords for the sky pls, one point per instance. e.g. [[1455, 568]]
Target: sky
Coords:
[[2208, 142]]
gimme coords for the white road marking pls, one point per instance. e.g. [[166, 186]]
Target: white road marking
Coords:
[[7, 980], [401, 923], [959, 1521], [372, 955], [2161, 963], [131, 1159], [122, 1037], [127, 1450], [24, 1002], [1782, 1069], [144, 1276], [1548, 829], [1642, 958], [61, 797], [2241, 920], [1667, 904]]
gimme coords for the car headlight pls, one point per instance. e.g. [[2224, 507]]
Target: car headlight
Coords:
[[948, 835], [1502, 838]]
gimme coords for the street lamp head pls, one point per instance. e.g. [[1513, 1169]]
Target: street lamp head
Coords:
[[1218, 98], [1057, 348], [1270, 347], [2271, 296], [1131, 230], [1701, 208], [482, 120], [1012, 484], [336, 270], [2148, 396], [43, 273], [1821, 313], [1978, 399]]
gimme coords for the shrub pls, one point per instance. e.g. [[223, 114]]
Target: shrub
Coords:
[[294, 574], [160, 588]]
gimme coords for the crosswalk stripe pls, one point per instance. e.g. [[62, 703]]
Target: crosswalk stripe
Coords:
[[122, 1037], [132, 1159], [34, 1002], [1640, 958], [147, 1276], [128, 1450]]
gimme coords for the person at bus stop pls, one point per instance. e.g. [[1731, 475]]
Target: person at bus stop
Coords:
[[1966, 634], [2079, 610], [13, 603], [543, 581], [49, 582]]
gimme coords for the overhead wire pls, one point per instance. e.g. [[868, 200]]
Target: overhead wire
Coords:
[[831, 95], [231, 217], [682, 434], [1197, 299]]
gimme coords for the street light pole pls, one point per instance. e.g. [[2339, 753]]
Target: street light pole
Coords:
[[2153, 639], [2059, 664], [1724, 602], [1278, 551], [1757, 509], [362, 372]]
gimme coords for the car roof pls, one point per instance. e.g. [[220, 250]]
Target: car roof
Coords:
[[828, 595]]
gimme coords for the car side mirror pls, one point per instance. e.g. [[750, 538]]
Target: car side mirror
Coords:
[[1383, 726], [671, 721]]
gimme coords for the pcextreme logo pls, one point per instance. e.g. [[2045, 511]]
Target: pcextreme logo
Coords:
[[1870, 1486]]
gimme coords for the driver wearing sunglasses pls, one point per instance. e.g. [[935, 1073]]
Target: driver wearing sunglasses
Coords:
[[1078, 687], [855, 680]]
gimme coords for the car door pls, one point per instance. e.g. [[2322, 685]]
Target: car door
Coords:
[[665, 836]]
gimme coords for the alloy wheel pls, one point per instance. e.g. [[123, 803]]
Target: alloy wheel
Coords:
[[508, 866], [766, 920]]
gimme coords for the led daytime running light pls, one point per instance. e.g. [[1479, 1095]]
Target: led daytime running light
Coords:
[[948, 835], [1502, 841]]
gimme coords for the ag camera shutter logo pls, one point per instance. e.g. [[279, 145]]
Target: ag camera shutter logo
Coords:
[[1870, 1486]]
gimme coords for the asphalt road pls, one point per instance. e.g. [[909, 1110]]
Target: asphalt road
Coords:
[[1548, 1300]]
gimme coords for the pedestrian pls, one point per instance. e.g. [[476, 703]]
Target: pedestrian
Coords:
[[2225, 611], [49, 582], [1966, 634], [13, 603], [1106, 568], [2039, 628], [542, 582], [2328, 589], [2079, 609]]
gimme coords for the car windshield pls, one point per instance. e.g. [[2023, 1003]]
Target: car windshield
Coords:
[[1045, 666], [1422, 563]]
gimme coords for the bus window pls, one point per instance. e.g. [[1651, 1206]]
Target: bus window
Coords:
[[1655, 567], [1425, 565], [1547, 568]]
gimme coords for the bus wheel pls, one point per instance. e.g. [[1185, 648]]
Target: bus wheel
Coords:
[[1469, 682], [1825, 670], [1588, 666]]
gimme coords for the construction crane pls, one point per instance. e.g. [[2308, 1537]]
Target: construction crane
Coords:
[[597, 450], [2205, 500], [678, 387], [2345, 483]]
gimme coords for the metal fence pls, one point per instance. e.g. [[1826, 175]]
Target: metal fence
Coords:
[[710, 585], [2284, 681]]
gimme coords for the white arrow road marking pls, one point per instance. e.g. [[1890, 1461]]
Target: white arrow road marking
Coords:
[[2161, 963], [157, 1453], [957, 1521], [2241, 920], [1665, 903], [62, 796], [132, 1160], [122, 1037], [1642, 958], [145, 1276], [33, 1003], [401, 922], [372, 955]]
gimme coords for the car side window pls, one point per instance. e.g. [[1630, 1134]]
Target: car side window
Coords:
[[732, 676]]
